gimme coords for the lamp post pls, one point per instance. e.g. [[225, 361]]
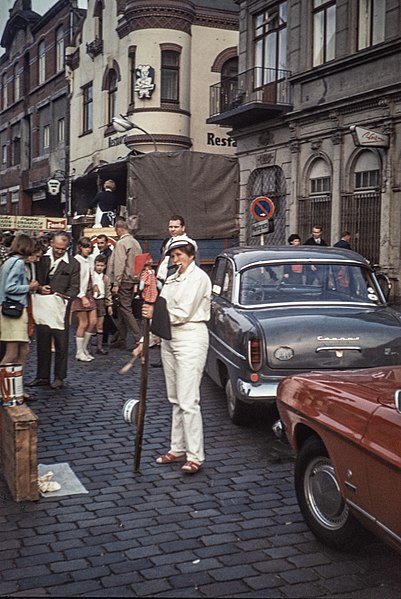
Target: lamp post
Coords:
[[121, 124]]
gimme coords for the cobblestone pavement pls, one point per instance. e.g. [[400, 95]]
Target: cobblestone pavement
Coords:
[[232, 530]]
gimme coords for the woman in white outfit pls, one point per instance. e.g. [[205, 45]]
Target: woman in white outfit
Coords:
[[187, 293]]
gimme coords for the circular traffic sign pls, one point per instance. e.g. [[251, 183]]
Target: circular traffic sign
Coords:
[[262, 208]]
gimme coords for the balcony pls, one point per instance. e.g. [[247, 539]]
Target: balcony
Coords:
[[94, 48], [250, 97]]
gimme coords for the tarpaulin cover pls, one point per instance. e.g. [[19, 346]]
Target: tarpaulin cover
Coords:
[[203, 188]]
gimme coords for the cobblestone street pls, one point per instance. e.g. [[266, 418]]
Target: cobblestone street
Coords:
[[232, 530]]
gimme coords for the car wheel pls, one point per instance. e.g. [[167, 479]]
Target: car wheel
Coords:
[[320, 500], [237, 410]]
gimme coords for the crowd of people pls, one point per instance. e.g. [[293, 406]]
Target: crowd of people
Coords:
[[93, 287]]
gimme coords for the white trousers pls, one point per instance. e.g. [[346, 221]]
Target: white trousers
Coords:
[[184, 359]]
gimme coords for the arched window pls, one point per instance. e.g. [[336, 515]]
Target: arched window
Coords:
[[366, 172], [320, 179], [59, 49], [315, 207], [229, 84], [41, 62], [361, 209], [170, 75], [112, 94]]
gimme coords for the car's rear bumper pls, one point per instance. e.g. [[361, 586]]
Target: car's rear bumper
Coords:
[[258, 392]]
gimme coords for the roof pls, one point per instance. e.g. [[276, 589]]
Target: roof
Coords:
[[246, 255]]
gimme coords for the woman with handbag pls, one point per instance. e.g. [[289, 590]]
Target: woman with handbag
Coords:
[[187, 294], [14, 293]]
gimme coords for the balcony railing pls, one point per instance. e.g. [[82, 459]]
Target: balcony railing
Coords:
[[258, 85]]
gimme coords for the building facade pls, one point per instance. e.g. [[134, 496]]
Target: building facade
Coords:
[[34, 109], [151, 61], [316, 113]]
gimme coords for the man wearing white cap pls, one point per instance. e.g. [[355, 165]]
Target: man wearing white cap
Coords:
[[187, 294]]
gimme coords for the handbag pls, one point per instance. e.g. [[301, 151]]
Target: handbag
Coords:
[[160, 324], [11, 308]]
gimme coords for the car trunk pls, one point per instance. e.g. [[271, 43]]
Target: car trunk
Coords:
[[321, 338]]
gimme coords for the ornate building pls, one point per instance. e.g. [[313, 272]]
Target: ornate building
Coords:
[[316, 113], [151, 61], [34, 109]]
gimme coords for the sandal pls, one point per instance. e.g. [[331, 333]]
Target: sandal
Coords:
[[168, 457], [191, 467]]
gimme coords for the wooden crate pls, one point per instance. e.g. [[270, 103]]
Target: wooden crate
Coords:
[[18, 447]]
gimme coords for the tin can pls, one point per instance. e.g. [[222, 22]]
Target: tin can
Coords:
[[11, 385], [130, 411]]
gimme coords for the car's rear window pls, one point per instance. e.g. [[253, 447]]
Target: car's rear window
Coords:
[[291, 282]]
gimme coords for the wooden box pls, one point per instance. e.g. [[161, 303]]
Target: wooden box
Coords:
[[18, 447]]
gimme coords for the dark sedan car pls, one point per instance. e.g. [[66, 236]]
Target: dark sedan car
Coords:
[[278, 311]]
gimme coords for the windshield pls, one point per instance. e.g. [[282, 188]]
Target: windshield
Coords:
[[265, 284]]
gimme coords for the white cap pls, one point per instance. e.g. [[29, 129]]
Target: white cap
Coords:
[[180, 241]]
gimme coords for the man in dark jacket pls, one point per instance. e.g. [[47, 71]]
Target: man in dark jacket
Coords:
[[316, 238], [344, 242], [57, 273]]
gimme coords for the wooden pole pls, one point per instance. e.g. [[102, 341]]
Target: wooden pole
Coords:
[[140, 423]]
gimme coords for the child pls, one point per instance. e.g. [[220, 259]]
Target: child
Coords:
[[103, 299], [84, 305]]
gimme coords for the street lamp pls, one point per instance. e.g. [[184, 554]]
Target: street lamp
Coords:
[[122, 124]]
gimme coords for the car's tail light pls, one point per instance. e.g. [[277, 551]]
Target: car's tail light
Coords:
[[255, 354]]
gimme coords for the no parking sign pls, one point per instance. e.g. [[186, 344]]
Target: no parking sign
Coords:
[[262, 208]]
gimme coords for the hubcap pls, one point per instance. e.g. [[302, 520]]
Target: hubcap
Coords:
[[323, 494]]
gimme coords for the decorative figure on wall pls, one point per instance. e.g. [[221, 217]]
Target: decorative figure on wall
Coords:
[[144, 85]]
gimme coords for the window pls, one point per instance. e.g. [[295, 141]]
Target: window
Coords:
[[41, 63], [98, 14], [16, 151], [3, 198], [87, 108], [270, 42], [4, 155], [46, 137], [320, 185], [17, 86], [4, 97], [324, 31], [112, 94], [367, 179], [367, 172], [60, 130], [371, 22], [59, 49], [170, 72], [132, 80]]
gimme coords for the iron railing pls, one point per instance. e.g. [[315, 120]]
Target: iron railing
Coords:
[[259, 84], [360, 215], [314, 211]]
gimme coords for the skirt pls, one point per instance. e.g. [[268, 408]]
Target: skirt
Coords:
[[77, 305], [100, 306], [14, 329]]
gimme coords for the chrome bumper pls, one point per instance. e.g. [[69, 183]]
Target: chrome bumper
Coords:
[[257, 391]]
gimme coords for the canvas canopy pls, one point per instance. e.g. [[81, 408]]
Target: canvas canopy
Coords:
[[203, 188]]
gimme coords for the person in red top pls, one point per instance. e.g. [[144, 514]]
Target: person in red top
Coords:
[[293, 272]]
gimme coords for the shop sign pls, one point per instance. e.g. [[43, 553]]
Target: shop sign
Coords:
[[33, 223]]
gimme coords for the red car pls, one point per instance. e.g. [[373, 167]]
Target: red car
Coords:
[[345, 428]]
